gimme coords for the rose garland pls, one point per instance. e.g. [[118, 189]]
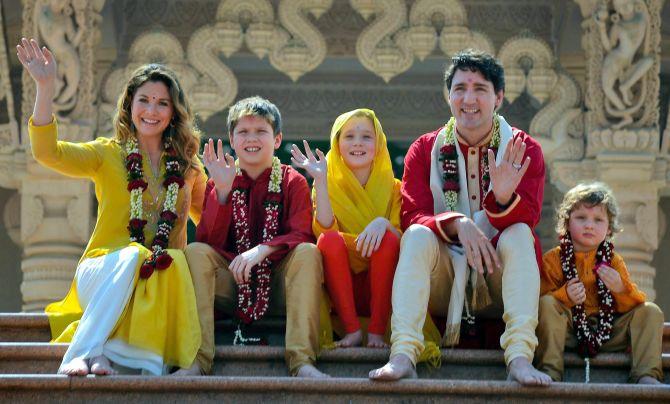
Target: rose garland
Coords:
[[174, 180], [449, 160], [590, 340], [249, 307]]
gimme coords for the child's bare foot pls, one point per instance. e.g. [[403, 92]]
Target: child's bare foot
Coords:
[[398, 367], [352, 339], [648, 380], [376, 341], [520, 370], [76, 367], [101, 366], [311, 372], [194, 370]]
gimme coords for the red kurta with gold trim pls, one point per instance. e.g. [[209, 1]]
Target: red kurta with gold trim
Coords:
[[417, 198]]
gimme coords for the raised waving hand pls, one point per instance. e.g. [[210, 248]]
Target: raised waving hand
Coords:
[[506, 176], [221, 168], [315, 165], [41, 65]]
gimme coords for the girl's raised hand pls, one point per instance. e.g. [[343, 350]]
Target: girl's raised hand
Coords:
[[316, 166], [40, 63]]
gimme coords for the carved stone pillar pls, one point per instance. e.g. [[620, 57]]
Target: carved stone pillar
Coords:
[[56, 211], [621, 40]]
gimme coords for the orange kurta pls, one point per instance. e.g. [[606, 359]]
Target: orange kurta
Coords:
[[553, 281]]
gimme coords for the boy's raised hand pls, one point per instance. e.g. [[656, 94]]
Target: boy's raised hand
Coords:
[[611, 279], [576, 291], [39, 63], [221, 167], [316, 166]]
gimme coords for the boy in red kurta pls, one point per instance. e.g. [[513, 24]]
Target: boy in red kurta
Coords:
[[579, 280], [255, 250]]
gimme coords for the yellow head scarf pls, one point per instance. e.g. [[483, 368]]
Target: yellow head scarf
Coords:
[[354, 206]]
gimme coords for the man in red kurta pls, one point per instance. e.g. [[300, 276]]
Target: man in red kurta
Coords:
[[471, 196], [220, 269]]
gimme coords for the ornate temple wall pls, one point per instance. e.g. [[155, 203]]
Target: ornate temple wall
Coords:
[[318, 58]]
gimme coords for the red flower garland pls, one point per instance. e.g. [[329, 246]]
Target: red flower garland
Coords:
[[590, 340], [249, 307], [159, 258]]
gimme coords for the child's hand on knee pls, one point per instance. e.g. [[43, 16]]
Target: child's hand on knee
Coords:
[[576, 291], [611, 279]]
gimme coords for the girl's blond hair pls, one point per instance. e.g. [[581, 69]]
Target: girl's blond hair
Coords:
[[588, 194], [185, 137]]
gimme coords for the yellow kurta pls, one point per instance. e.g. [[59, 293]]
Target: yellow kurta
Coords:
[[161, 315]]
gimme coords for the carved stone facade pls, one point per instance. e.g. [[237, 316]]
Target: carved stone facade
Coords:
[[317, 58]]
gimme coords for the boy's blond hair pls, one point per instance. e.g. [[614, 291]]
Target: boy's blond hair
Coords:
[[254, 106], [588, 194]]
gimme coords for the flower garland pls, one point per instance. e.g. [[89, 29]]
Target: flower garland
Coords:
[[249, 307], [590, 340], [174, 180], [449, 160]]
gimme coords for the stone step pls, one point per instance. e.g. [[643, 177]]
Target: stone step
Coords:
[[34, 327], [113, 389], [466, 364]]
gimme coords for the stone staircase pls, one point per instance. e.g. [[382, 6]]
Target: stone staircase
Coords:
[[28, 364]]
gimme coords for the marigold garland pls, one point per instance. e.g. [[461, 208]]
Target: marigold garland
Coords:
[[590, 340], [173, 182], [449, 160], [253, 297]]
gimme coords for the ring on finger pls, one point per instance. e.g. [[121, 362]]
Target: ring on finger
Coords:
[[517, 166]]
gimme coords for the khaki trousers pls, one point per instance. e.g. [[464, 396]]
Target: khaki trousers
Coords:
[[296, 291], [423, 281], [640, 328]]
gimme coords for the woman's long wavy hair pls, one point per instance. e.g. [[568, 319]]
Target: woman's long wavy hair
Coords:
[[185, 137]]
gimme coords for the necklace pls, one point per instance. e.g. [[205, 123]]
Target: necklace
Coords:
[[174, 180], [253, 296], [590, 340], [449, 160]]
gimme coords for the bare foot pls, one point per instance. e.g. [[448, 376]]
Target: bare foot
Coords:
[[648, 380], [398, 367], [352, 339], [311, 372], [76, 367], [376, 341], [101, 366], [520, 370], [194, 370]]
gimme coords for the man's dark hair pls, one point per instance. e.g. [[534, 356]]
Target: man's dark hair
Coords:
[[476, 61]]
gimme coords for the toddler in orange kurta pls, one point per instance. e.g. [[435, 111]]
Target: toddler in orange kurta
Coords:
[[588, 299]]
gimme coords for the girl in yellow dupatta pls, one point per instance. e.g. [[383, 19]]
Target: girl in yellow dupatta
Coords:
[[357, 221]]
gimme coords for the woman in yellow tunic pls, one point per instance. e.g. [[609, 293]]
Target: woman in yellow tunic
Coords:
[[132, 300]]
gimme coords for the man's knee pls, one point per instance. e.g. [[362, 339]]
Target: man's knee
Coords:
[[419, 235], [516, 236], [198, 258]]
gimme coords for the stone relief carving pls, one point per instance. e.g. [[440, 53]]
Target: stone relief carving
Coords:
[[11, 217], [70, 29], [32, 214], [9, 131], [528, 63], [621, 68], [299, 47], [388, 45], [621, 38], [646, 223]]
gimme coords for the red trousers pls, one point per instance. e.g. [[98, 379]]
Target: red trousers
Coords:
[[367, 293]]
